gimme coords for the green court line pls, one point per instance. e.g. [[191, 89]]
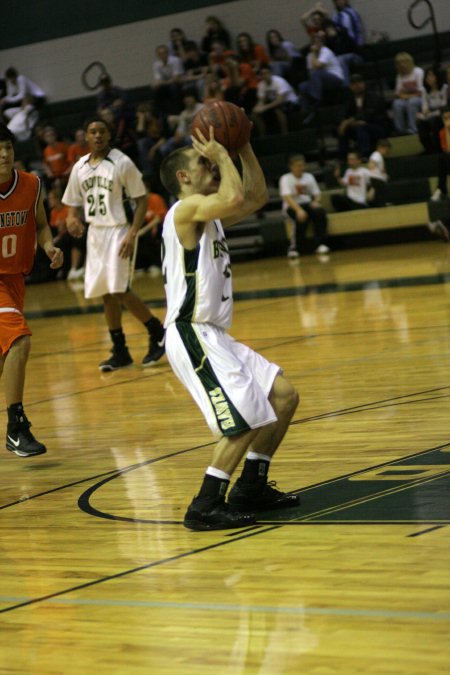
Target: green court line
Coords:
[[262, 294], [349, 612]]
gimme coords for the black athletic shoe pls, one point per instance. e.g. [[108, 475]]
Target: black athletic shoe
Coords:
[[21, 441], [118, 359], [213, 513], [156, 351], [260, 496]]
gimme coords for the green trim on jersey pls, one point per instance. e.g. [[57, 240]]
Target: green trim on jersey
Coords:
[[190, 261], [229, 421]]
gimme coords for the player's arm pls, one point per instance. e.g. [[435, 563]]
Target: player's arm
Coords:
[[227, 201], [254, 184], [45, 237], [127, 246]]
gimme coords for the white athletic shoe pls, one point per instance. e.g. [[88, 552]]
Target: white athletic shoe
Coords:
[[436, 196], [322, 249]]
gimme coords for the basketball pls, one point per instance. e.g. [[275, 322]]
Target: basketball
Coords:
[[232, 127]]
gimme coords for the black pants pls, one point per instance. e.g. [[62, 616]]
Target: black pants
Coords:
[[380, 188], [344, 203], [443, 171], [318, 217]]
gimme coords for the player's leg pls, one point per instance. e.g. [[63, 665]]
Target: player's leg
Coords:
[[208, 510], [154, 327], [252, 492], [19, 438], [120, 356]]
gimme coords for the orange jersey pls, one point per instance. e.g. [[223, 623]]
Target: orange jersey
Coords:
[[18, 206], [76, 151], [156, 206]]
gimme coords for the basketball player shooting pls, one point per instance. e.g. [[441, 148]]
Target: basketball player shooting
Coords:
[[243, 397]]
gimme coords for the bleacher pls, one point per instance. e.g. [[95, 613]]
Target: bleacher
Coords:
[[408, 191]]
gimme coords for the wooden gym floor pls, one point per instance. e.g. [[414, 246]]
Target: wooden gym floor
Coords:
[[97, 573]]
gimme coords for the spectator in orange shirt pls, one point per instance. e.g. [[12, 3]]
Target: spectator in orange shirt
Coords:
[[250, 52], [56, 162], [148, 255], [79, 148]]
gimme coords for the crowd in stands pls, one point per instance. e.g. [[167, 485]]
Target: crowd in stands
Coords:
[[281, 86]]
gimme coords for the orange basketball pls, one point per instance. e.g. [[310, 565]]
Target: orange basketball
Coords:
[[232, 127]]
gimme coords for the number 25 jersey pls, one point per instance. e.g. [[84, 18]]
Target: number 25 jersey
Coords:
[[18, 206]]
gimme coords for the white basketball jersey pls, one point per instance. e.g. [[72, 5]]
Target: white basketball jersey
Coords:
[[100, 188], [198, 282]]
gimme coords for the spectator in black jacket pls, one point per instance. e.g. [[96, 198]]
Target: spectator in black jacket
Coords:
[[365, 120]]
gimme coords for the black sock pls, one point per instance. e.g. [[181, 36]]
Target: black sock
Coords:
[[118, 338], [15, 413], [255, 469], [155, 328], [213, 487]]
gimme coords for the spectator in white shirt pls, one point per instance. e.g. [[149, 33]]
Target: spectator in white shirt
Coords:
[[357, 181], [167, 72], [301, 202], [17, 88], [408, 94], [275, 99], [378, 173], [325, 73]]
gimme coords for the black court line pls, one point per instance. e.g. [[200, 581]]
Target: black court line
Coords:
[[285, 292], [125, 573], [430, 529], [85, 505]]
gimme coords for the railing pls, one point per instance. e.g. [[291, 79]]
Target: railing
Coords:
[[431, 18]]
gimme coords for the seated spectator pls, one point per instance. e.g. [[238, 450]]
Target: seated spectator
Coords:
[[148, 256], [17, 88], [408, 94], [123, 136], [301, 202], [357, 181], [365, 119], [324, 74], [444, 157], [114, 98], [312, 20], [282, 54], [347, 17], [167, 72], [240, 84], [217, 57], [213, 88], [276, 98], [378, 173], [56, 162], [338, 40], [196, 67], [152, 131], [79, 148], [24, 121], [182, 135], [74, 248], [177, 43], [214, 30], [429, 119], [250, 52]]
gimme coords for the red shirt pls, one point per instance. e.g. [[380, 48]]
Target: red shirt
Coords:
[[55, 157]]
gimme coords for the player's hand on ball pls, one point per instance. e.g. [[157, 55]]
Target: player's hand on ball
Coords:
[[208, 148]]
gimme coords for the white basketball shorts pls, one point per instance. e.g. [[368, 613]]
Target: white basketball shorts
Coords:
[[105, 271], [229, 381]]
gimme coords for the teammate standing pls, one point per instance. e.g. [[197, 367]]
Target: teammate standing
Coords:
[[97, 182], [243, 397], [22, 220]]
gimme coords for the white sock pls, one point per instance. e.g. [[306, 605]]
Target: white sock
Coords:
[[257, 455], [217, 473]]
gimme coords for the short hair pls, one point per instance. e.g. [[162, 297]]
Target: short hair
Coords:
[[10, 73], [384, 143], [96, 118], [297, 157], [6, 134], [177, 160]]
